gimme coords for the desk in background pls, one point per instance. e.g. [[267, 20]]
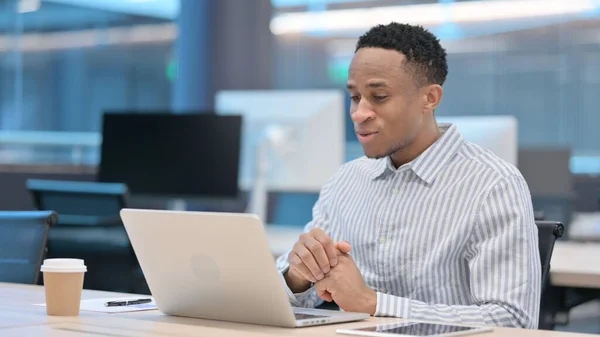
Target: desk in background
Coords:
[[575, 270], [576, 264], [574, 278], [282, 238], [18, 317]]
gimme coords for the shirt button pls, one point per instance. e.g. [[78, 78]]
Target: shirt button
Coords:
[[383, 290], [382, 240], [396, 191]]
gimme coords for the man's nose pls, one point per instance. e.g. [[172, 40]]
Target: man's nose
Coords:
[[362, 113]]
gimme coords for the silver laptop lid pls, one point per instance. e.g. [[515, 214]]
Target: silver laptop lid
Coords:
[[209, 265]]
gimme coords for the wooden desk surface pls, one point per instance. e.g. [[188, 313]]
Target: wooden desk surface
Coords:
[[18, 317], [576, 264]]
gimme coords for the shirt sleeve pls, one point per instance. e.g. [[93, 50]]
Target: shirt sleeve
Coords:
[[321, 220], [504, 266]]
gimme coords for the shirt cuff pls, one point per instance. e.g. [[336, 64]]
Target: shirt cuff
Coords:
[[295, 299], [392, 306]]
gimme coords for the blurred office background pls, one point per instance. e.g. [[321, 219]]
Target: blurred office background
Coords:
[[65, 63]]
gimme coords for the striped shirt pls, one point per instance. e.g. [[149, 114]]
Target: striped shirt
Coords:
[[447, 237]]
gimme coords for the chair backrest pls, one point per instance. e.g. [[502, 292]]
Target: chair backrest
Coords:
[[69, 198], [548, 233], [23, 236]]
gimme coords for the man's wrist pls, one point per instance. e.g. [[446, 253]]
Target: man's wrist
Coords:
[[370, 302], [296, 284]]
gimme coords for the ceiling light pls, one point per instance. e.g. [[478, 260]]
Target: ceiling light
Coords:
[[429, 14], [28, 6]]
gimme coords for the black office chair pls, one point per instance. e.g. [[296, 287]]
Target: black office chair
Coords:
[[23, 236], [548, 233], [90, 228], [80, 203]]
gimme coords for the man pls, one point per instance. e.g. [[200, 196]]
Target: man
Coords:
[[429, 226]]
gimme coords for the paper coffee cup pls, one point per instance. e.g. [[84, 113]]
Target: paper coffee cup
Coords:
[[63, 284]]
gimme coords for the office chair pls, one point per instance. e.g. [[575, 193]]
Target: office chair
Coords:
[[548, 233], [78, 201], [23, 236], [90, 228]]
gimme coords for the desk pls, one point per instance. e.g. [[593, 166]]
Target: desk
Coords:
[[282, 238], [18, 317], [574, 279], [576, 264]]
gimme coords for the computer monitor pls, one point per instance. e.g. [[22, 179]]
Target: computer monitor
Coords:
[[296, 136], [546, 171], [497, 133], [172, 155]]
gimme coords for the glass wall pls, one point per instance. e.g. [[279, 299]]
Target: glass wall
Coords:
[[65, 62]]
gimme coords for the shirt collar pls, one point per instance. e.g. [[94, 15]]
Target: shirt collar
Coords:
[[429, 163]]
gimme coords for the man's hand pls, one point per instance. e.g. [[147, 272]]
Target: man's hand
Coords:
[[312, 257], [345, 285]]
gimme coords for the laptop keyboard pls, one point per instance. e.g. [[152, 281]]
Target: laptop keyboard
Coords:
[[308, 316]]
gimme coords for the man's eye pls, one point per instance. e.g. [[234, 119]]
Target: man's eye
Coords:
[[380, 98], [355, 99]]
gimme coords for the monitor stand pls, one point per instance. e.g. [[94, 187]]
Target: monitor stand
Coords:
[[177, 205], [257, 203]]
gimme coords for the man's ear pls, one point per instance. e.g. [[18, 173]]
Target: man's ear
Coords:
[[433, 96]]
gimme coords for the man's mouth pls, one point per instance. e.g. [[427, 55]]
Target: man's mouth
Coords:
[[366, 136]]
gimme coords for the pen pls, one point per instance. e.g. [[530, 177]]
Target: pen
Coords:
[[130, 302]]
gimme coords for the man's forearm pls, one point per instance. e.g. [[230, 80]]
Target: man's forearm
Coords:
[[485, 314]]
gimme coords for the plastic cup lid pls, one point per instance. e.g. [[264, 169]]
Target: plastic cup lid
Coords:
[[64, 266]]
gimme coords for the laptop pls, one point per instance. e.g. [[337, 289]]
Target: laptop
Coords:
[[216, 266]]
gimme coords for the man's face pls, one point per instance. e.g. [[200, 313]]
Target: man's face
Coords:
[[387, 104]]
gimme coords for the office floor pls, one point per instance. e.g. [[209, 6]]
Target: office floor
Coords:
[[584, 319]]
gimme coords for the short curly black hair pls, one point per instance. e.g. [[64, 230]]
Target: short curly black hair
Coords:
[[425, 57]]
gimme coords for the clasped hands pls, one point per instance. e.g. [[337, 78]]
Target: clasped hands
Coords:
[[316, 259]]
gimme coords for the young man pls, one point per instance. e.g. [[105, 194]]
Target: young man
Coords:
[[428, 226]]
